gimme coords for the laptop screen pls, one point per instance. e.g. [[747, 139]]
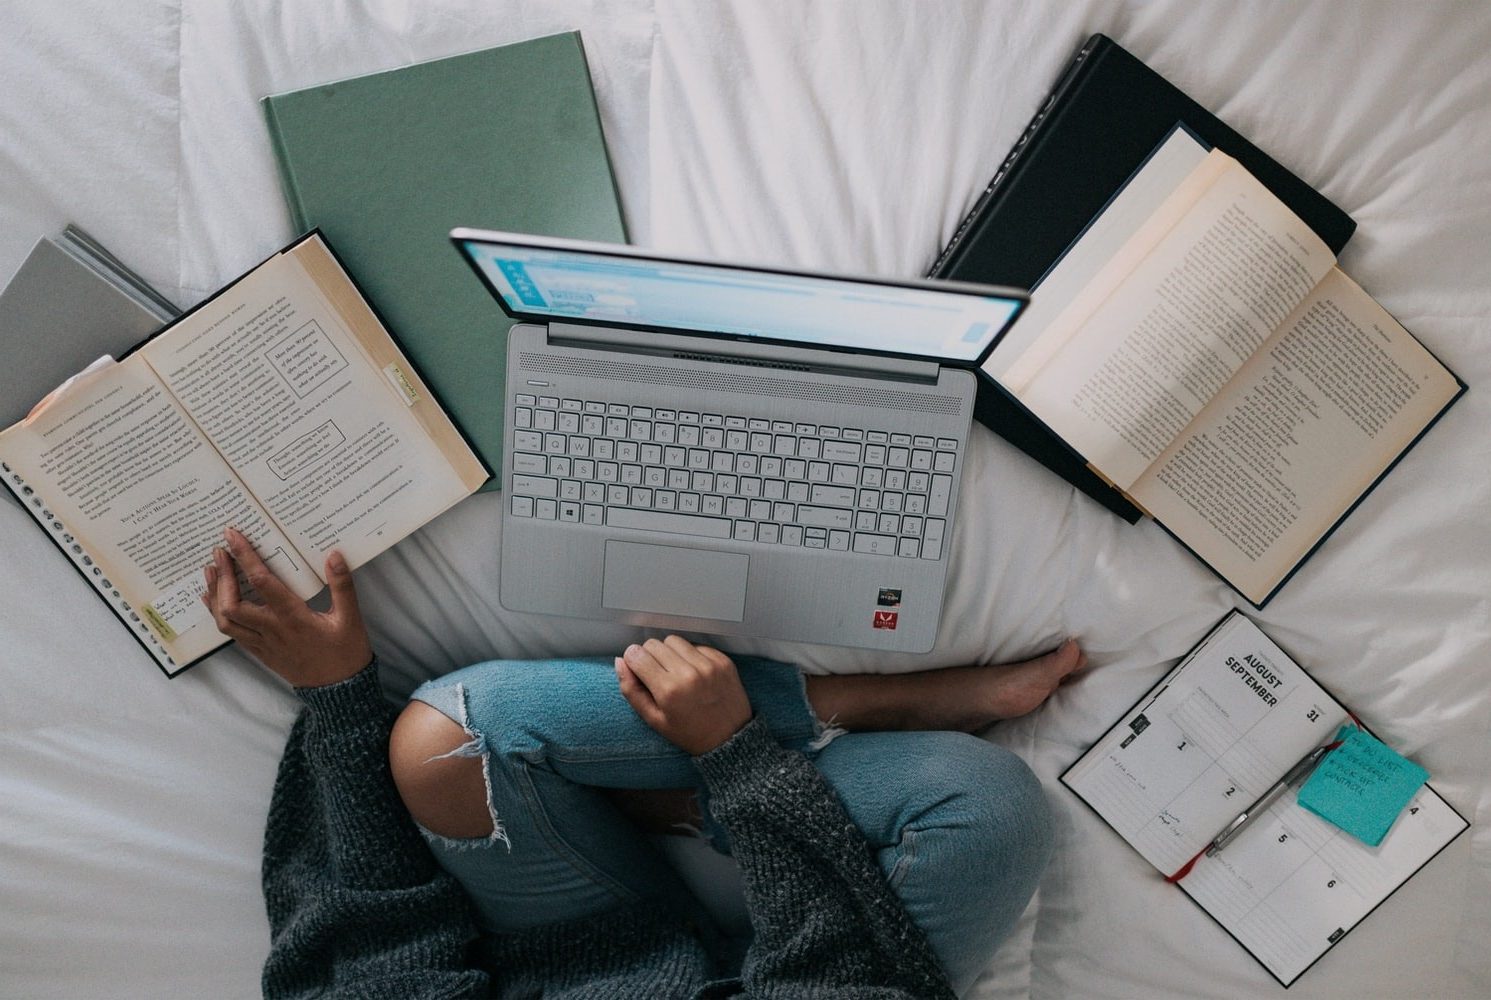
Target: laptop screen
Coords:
[[569, 282]]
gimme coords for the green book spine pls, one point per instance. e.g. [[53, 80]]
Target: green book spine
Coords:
[[282, 164]]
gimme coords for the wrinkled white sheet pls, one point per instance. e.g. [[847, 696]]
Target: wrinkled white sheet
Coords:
[[850, 135]]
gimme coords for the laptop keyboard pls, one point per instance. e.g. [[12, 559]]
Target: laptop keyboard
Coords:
[[717, 475]]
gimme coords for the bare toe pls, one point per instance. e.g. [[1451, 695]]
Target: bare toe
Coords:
[[1019, 688]]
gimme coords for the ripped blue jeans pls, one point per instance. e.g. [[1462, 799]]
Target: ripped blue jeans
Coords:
[[960, 827]]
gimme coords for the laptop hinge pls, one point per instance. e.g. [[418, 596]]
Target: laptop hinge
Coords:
[[741, 352]]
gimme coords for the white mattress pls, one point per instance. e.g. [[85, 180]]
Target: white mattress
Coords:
[[846, 135]]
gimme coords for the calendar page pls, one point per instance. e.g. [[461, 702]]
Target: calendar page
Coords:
[[1209, 741], [1205, 745]]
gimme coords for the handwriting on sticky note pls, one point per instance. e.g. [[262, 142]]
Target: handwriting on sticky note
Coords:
[[1362, 785]]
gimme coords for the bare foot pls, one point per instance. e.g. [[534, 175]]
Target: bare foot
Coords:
[[962, 698], [1015, 689]]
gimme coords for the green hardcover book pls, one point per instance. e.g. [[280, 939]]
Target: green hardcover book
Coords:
[[387, 164]]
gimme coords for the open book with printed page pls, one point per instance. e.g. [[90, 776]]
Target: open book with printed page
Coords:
[[1199, 348], [1208, 743], [280, 406]]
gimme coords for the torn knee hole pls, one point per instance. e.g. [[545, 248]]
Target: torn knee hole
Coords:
[[440, 768]]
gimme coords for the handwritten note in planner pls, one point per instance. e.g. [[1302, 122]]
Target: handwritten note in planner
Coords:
[[1362, 786]]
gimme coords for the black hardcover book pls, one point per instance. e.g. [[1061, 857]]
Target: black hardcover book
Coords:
[[1106, 114]]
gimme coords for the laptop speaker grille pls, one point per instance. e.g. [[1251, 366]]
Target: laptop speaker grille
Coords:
[[761, 385], [749, 362]]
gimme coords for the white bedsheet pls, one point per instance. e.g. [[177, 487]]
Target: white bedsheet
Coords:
[[850, 135]]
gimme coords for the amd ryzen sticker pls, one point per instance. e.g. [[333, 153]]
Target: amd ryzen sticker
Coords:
[[889, 598], [886, 619]]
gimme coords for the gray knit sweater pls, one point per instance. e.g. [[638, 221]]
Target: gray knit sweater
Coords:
[[358, 906]]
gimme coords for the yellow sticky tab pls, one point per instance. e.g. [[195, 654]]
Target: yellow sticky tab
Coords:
[[161, 626], [401, 382]]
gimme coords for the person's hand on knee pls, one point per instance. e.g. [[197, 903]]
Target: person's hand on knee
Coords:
[[307, 648], [691, 695]]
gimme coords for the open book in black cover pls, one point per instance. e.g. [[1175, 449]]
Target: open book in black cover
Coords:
[[1220, 730], [1200, 350], [1098, 124], [281, 406]]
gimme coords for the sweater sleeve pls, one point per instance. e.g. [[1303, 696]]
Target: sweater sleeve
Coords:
[[826, 923], [357, 905]]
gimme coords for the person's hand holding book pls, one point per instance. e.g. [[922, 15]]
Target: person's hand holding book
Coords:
[[305, 647]]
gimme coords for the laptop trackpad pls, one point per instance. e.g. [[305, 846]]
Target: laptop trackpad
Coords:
[[670, 580]]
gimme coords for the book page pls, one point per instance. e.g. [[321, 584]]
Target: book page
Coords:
[[1167, 324], [1291, 885], [123, 467], [325, 438], [1139, 203], [1302, 431], [1228, 723]]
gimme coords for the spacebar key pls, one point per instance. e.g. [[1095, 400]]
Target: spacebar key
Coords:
[[678, 524]]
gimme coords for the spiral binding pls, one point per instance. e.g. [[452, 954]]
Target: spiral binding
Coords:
[[74, 550]]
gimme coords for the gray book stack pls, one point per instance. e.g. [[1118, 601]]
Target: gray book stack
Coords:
[[71, 302]]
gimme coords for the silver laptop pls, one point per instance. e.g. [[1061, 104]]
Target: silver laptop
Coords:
[[732, 449]]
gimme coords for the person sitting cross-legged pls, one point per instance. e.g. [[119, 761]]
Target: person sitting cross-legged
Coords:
[[490, 839]]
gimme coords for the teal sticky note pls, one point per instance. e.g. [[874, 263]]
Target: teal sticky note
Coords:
[[1362, 785]]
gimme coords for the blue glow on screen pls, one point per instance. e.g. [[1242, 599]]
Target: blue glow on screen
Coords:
[[829, 312]]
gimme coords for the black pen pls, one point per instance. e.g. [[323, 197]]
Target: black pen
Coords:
[[1271, 796]]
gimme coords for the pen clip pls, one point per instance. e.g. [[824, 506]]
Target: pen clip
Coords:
[[1220, 840]]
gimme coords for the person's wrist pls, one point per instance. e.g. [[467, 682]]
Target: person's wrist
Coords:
[[350, 698], [722, 736], [313, 684], [718, 739], [329, 675]]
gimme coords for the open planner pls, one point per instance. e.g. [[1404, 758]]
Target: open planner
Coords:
[[280, 406], [1211, 739]]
